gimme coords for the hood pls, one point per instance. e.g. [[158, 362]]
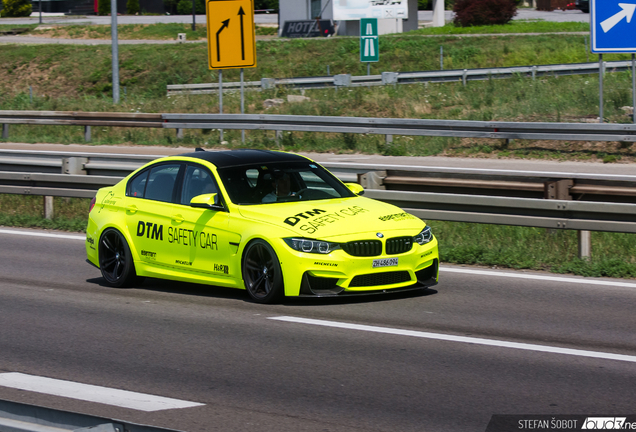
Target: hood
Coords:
[[329, 219]]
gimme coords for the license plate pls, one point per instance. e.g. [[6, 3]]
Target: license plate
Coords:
[[385, 262]]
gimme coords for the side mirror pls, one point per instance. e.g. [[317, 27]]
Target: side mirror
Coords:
[[206, 201], [355, 188]]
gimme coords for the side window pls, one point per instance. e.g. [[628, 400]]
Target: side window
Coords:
[[161, 181], [197, 181], [137, 185]]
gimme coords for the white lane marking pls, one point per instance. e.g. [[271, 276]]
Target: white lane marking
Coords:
[[584, 281], [41, 234], [91, 393], [461, 339]]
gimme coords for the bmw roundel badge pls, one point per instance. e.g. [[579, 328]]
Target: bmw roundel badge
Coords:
[[380, 235]]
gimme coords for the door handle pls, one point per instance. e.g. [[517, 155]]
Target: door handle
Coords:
[[132, 209], [178, 218]]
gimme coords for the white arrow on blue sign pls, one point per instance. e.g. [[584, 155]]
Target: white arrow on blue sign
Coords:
[[612, 29]]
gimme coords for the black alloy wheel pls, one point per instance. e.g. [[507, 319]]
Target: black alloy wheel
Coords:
[[115, 259], [262, 273]]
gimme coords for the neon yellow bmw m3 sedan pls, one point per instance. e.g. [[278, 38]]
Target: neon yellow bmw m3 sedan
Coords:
[[276, 224]]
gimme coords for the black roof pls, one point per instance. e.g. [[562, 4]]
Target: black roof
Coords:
[[230, 158]]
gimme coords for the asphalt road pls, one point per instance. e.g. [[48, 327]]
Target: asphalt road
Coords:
[[254, 373]]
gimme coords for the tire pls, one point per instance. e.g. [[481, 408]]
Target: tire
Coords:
[[115, 259], [262, 274]]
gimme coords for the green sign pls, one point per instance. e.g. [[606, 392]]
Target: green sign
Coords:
[[369, 40]]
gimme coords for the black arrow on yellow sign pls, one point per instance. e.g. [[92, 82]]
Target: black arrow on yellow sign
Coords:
[[226, 23], [241, 13]]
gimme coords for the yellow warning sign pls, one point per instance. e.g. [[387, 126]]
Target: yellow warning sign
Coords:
[[231, 38]]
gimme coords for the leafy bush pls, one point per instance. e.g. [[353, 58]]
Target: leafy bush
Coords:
[[103, 7], [422, 4], [266, 4], [184, 7], [16, 8], [483, 12], [132, 7]]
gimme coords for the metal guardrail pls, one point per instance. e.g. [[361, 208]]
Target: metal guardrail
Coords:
[[381, 182], [17, 417], [412, 127], [362, 125], [391, 78]]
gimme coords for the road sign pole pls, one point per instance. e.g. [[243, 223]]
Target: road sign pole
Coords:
[[634, 87], [221, 98], [115, 50], [368, 68], [600, 87], [242, 106]]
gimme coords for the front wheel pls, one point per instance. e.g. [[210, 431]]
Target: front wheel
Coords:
[[115, 259], [262, 273]]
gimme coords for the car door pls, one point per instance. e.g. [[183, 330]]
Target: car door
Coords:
[[206, 244], [150, 210]]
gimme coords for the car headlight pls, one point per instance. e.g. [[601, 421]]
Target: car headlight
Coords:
[[311, 246], [424, 237]]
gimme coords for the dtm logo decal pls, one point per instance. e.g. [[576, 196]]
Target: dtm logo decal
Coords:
[[314, 220], [150, 230], [180, 236], [293, 220]]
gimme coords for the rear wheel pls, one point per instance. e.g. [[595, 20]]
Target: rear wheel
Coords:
[[262, 273], [115, 259]]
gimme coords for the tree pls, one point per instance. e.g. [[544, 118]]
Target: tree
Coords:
[[483, 12], [16, 8], [132, 7], [103, 7]]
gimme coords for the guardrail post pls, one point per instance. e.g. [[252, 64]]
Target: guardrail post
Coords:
[[560, 190], [342, 80], [534, 73], [5, 131], [372, 180], [74, 165], [268, 83], [389, 139], [390, 78], [464, 76], [179, 133], [48, 207], [279, 137], [87, 133], [585, 244]]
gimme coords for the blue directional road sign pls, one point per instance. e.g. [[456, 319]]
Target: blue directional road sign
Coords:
[[612, 28]]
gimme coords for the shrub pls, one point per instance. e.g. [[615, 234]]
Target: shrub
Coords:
[[103, 7], [483, 12], [132, 7], [422, 4], [184, 7], [16, 8]]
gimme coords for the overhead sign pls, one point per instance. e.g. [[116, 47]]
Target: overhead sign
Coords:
[[381, 9], [612, 29], [231, 37], [308, 28], [369, 40]]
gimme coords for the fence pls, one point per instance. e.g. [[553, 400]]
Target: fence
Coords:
[[393, 78]]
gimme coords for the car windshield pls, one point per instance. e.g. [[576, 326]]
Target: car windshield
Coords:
[[281, 182]]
